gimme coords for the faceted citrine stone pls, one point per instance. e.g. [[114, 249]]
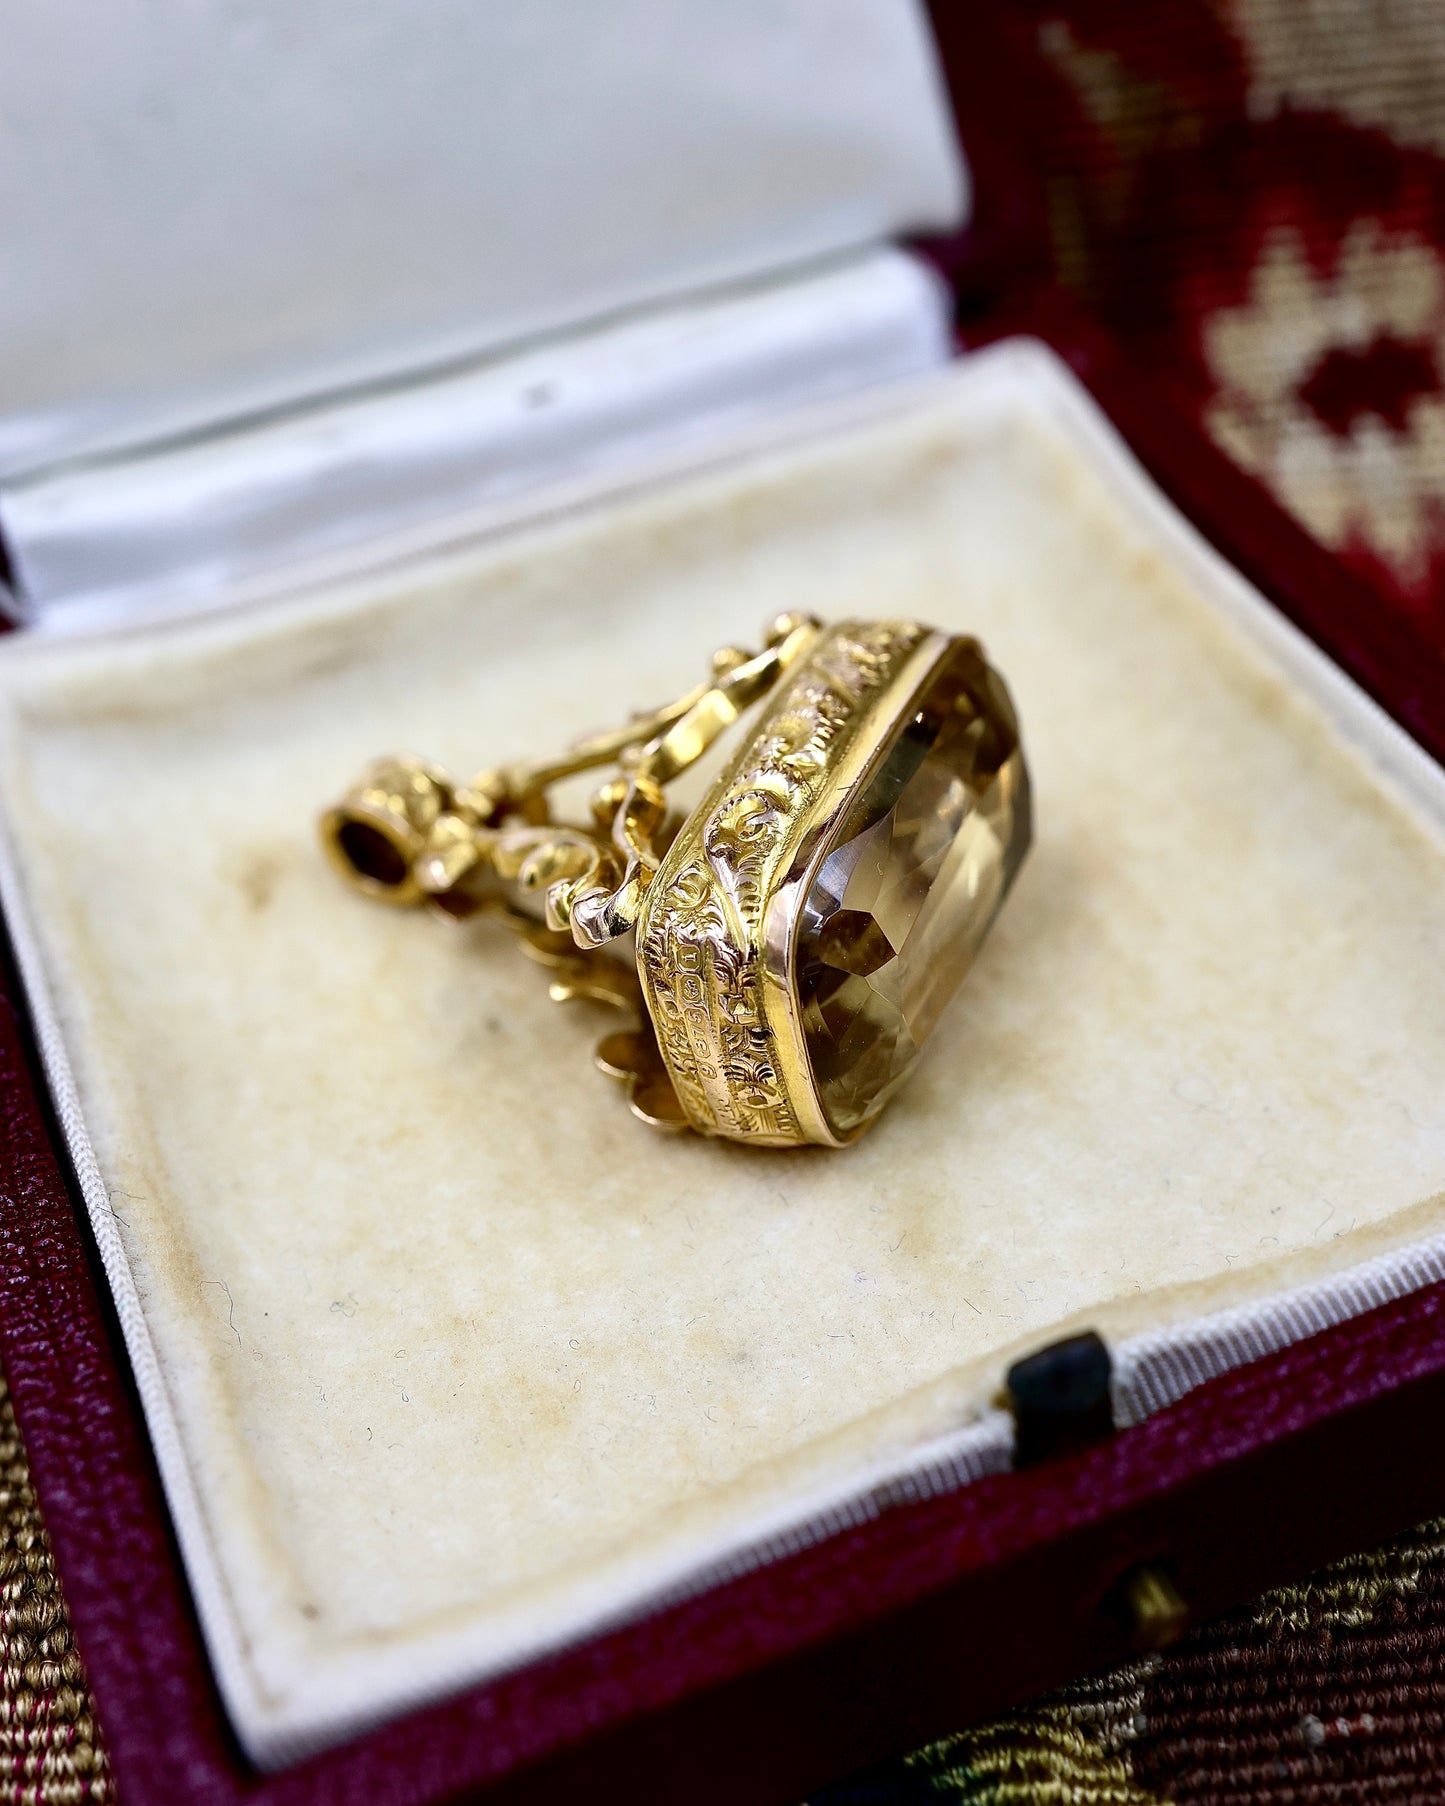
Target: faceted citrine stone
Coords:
[[908, 884]]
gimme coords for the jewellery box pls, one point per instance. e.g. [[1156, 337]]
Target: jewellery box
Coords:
[[409, 1420]]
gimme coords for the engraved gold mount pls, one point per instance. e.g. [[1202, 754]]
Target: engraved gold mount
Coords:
[[795, 937]]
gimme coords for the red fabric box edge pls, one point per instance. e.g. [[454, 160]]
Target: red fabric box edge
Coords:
[[912, 1624]]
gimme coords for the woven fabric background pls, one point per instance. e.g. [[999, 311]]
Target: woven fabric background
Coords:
[[1251, 194], [50, 1751], [1323, 1694]]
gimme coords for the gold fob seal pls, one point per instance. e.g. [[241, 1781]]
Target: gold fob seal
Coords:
[[797, 935]]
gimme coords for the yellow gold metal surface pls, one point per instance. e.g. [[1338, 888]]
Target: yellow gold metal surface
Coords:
[[628, 1054], [1156, 1613], [719, 1004], [713, 1037]]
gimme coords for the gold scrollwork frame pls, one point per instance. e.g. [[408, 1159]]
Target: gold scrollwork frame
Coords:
[[714, 1038], [717, 929]]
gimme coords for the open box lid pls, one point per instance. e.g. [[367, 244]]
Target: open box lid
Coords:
[[270, 206]]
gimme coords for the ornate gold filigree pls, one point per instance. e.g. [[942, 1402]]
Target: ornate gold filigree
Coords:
[[700, 939], [603, 901], [629, 1054], [407, 833], [716, 1012]]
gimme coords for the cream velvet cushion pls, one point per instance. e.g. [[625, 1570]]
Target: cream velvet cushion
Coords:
[[447, 1358]]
